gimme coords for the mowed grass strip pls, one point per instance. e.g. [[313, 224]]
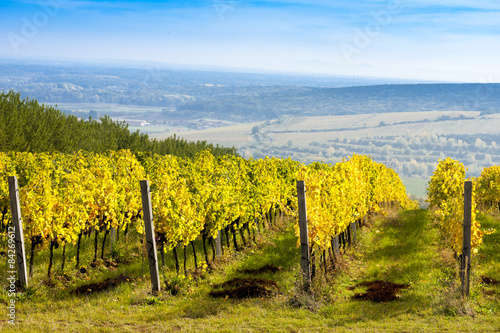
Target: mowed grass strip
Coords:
[[402, 248], [486, 266], [407, 248]]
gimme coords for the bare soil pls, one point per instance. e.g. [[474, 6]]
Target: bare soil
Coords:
[[264, 269], [245, 288], [101, 286], [488, 280], [379, 291]]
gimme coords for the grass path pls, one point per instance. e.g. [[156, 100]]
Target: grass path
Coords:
[[405, 249], [402, 248]]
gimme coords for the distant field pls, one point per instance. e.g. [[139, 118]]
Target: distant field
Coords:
[[309, 129], [411, 143], [366, 120], [304, 130], [236, 135], [415, 186]]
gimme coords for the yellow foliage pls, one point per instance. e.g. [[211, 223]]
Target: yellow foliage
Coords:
[[445, 193], [338, 195]]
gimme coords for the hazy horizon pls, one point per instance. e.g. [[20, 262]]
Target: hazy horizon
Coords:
[[442, 40]]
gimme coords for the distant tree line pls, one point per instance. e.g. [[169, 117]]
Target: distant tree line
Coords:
[[311, 101], [25, 125]]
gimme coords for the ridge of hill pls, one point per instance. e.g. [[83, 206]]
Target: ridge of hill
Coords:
[[239, 97], [309, 101], [25, 125]]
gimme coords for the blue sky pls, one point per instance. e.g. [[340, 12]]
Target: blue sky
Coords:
[[439, 39]]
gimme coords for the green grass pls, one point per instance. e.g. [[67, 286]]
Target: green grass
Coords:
[[487, 263], [403, 247], [489, 253]]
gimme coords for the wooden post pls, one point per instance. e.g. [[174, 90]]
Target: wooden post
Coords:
[[218, 244], [112, 239], [150, 235], [353, 233], [335, 245], [465, 262], [17, 225], [305, 262]]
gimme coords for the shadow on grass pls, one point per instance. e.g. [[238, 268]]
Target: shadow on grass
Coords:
[[489, 252], [405, 248], [281, 253]]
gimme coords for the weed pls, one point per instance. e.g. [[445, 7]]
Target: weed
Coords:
[[175, 284], [302, 297]]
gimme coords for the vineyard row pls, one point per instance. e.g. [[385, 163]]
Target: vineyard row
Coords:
[[66, 196]]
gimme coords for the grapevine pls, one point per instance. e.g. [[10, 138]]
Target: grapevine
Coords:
[[65, 196], [445, 192]]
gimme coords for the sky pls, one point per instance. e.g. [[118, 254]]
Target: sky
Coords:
[[444, 40]]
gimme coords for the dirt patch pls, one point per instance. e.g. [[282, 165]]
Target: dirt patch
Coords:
[[101, 286], [379, 291], [263, 269], [110, 264], [245, 288], [489, 292], [488, 280], [49, 283]]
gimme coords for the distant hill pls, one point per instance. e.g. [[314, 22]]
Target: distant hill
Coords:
[[240, 97], [25, 125], [306, 101]]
